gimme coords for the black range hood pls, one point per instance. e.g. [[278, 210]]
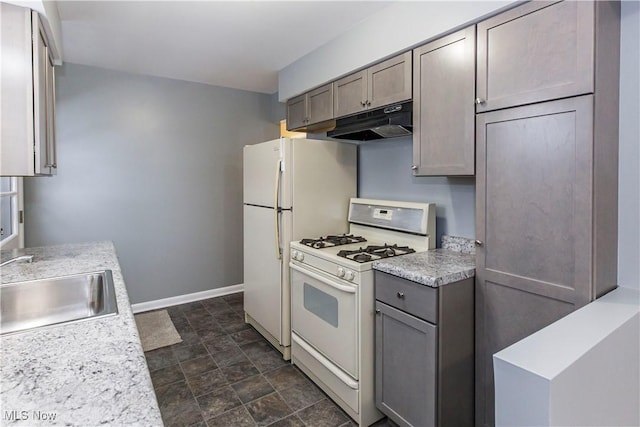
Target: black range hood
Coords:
[[385, 122]]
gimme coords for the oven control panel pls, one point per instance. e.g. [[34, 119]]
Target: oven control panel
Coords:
[[386, 214]]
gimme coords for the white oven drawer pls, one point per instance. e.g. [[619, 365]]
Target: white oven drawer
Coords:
[[324, 312], [334, 382]]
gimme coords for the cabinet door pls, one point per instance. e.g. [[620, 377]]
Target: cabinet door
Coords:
[[320, 102], [40, 104], [533, 213], [16, 87], [443, 108], [405, 367], [350, 94], [389, 81], [297, 112], [536, 52]]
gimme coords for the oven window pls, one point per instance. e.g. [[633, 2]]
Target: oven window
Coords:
[[321, 304]]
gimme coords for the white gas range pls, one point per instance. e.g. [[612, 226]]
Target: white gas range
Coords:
[[332, 297]]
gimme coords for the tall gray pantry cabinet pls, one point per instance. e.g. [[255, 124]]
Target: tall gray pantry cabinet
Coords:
[[546, 171]]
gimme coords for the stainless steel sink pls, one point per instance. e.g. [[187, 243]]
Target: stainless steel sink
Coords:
[[45, 302]]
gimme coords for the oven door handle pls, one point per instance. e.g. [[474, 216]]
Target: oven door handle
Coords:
[[325, 280], [323, 360]]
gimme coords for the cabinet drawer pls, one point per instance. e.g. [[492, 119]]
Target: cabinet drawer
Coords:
[[413, 298]]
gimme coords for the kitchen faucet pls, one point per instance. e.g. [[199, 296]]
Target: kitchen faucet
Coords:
[[18, 256]]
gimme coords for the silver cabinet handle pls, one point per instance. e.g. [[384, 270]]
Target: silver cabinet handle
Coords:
[[363, 103], [377, 311], [480, 101], [401, 295], [479, 243], [414, 167]]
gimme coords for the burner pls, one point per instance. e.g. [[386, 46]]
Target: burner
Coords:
[[328, 241], [314, 243], [361, 257], [372, 253]]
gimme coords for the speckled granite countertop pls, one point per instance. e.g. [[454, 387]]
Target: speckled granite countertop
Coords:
[[434, 268], [83, 374]]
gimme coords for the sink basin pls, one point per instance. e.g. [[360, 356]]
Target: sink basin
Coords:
[[45, 302]]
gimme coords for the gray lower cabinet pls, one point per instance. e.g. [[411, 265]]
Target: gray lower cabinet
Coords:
[[312, 110], [406, 369], [381, 84], [536, 52], [424, 352], [443, 105]]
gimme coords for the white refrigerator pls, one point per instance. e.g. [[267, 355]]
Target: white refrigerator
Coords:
[[292, 189]]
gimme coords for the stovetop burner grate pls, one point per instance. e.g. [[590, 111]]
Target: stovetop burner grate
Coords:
[[329, 241], [372, 253]]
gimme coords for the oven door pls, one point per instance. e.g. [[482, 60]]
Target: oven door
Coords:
[[324, 312]]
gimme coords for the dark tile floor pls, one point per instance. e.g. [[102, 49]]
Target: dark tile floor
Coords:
[[224, 373]]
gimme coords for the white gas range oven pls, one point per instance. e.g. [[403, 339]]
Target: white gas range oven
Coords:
[[332, 297]]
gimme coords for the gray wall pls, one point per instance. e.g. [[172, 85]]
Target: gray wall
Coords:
[[385, 173], [154, 165]]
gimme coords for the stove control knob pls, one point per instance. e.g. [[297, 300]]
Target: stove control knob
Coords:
[[341, 272], [300, 256], [294, 254], [349, 275]]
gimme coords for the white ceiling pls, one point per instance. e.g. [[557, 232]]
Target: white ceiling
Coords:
[[237, 44]]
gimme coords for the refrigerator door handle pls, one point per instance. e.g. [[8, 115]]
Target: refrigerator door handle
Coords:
[[276, 208]]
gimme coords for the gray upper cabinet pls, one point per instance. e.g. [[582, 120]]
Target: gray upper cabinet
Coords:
[[389, 81], [297, 112], [443, 107], [350, 94], [536, 52], [312, 108], [27, 137], [381, 84]]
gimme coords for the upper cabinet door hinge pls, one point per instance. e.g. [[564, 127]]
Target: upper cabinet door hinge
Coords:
[[21, 217]]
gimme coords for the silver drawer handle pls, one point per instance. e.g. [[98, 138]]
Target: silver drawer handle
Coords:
[[401, 295], [377, 311]]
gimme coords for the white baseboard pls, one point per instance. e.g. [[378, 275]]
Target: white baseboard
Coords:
[[183, 299]]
